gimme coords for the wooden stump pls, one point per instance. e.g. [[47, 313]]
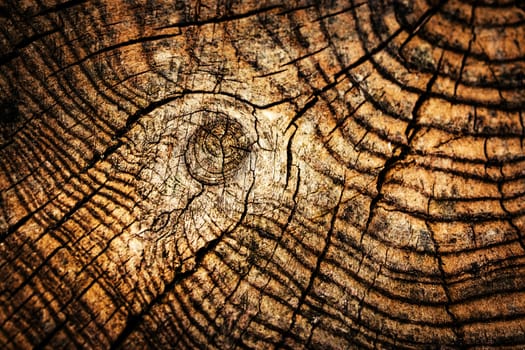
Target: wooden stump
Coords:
[[262, 174]]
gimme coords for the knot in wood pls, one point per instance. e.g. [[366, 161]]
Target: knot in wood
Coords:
[[216, 150]]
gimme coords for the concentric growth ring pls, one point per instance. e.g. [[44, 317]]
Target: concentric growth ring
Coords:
[[475, 67], [216, 150]]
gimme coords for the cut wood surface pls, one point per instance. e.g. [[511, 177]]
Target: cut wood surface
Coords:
[[262, 174]]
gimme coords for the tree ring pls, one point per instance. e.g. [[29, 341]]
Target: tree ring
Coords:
[[216, 150]]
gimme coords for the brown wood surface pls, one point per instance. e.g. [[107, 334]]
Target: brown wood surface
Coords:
[[262, 174]]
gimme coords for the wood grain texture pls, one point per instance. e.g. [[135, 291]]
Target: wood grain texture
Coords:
[[262, 174]]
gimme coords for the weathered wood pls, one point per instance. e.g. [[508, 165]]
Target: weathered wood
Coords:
[[264, 174]]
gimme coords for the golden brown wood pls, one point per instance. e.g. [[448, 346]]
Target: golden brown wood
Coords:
[[262, 174]]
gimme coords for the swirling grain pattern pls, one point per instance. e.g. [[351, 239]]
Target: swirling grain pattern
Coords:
[[262, 174], [216, 150]]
